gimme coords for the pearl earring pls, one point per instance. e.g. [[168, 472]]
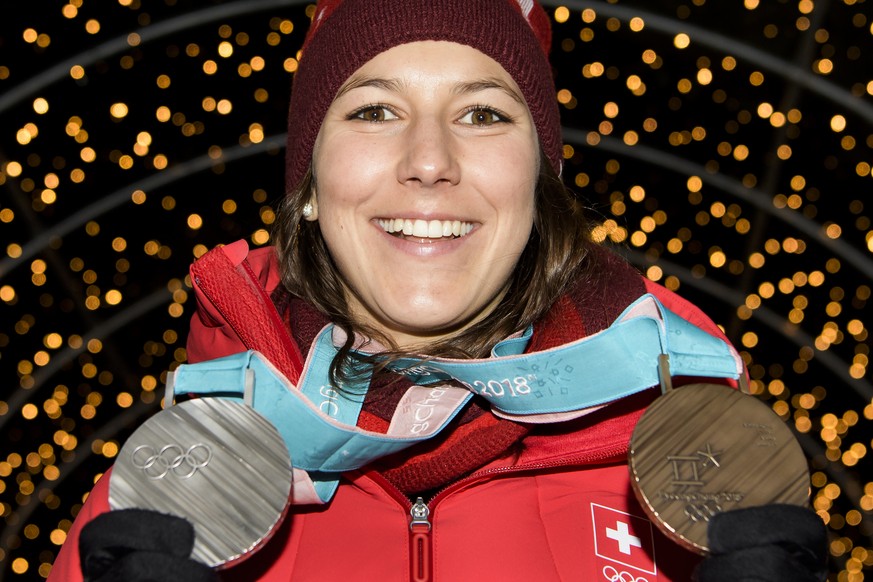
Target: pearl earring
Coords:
[[307, 210]]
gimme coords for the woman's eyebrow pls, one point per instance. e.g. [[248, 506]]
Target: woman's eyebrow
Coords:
[[461, 88], [484, 84], [395, 85]]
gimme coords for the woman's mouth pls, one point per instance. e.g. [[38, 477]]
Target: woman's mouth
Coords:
[[425, 229]]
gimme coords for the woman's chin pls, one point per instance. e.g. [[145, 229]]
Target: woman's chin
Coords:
[[426, 328]]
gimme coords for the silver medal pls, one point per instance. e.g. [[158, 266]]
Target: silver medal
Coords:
[[215, 462]]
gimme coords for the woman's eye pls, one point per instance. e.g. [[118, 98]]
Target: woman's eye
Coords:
[[482, 116], [374, 114]]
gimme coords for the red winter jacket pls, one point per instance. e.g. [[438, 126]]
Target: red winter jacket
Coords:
[[558, 507]]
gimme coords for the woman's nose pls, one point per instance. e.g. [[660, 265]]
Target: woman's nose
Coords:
[[431, 155]]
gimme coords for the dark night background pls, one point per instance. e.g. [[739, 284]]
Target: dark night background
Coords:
[[725, 146]]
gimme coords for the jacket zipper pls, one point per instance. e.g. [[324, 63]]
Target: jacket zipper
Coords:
[[419, 542], [420, 526]]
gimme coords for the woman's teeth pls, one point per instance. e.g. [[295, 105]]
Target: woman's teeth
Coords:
[[425, 228]]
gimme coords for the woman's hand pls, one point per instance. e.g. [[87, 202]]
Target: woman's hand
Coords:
[[138, 545], [772, 543]]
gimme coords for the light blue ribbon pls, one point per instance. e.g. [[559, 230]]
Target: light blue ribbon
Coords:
[[318, 422]]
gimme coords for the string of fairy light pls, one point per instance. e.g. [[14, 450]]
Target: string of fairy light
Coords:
[[724, 147]]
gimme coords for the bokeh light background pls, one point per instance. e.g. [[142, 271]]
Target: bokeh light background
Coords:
[[724, 146]]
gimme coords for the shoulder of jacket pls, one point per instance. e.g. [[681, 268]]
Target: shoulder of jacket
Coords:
[[262, 262]]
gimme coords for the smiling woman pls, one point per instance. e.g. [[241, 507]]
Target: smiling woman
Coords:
[[445, 353], [441, 147]]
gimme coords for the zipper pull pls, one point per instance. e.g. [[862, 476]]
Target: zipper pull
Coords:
[[419, 512], [419, 541]]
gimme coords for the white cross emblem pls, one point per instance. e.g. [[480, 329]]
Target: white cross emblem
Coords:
[[624, 538]]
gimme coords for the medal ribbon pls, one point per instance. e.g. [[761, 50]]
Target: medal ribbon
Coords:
[[318, 422]]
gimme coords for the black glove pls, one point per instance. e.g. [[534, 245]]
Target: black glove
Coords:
[[771, 543], [138, 545]]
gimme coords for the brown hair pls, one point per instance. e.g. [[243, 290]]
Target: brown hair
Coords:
[[554, 257]]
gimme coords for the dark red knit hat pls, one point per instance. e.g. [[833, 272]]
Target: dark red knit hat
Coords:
[[345, 34]]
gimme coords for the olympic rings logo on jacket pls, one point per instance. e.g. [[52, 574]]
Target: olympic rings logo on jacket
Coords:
[[612, 575]]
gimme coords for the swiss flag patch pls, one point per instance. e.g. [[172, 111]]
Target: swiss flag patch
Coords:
[[624, 539]]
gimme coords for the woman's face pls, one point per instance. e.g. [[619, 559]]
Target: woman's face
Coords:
[[425, 169]]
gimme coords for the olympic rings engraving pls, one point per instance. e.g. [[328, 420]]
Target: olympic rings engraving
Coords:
[[613, 575], [183, 463]]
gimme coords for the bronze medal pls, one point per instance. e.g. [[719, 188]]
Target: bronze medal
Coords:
[[215, 462], [702, 449]]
